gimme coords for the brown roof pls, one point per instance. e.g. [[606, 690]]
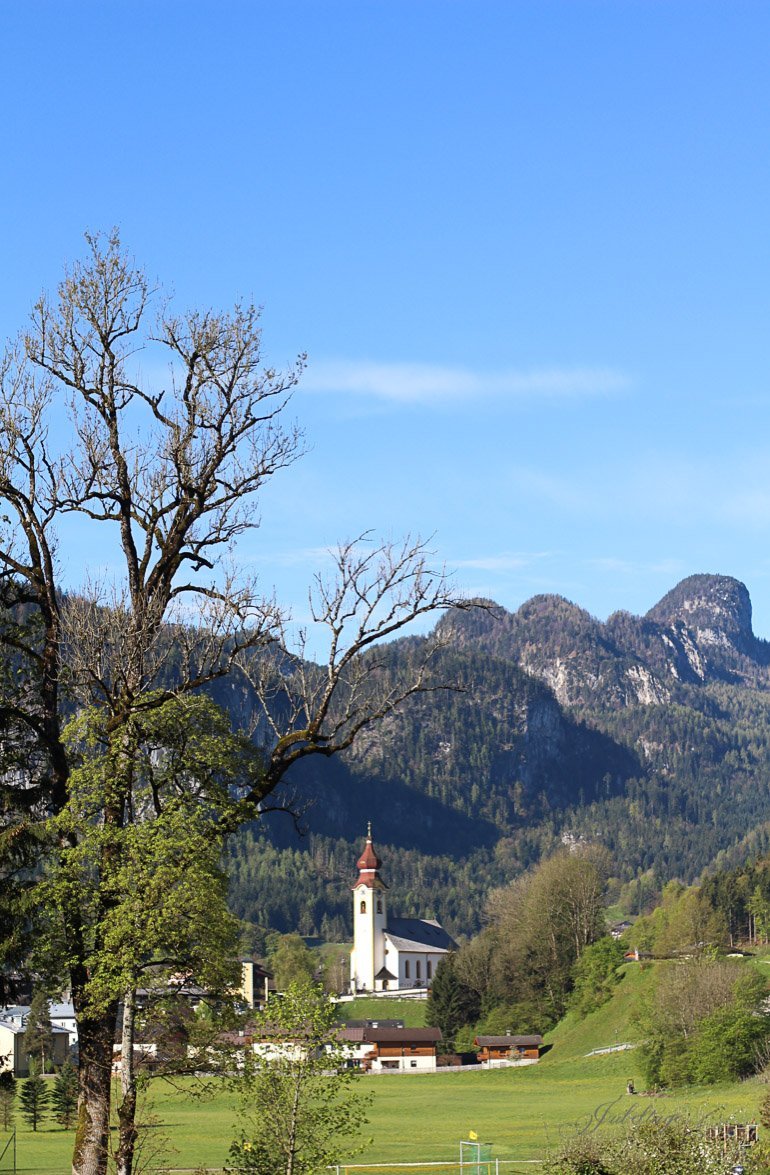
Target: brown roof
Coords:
[[501, 1042], [391, 1035], [352, 1035], [368, 859]]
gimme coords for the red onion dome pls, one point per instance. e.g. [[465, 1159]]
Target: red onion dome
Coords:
[[368, 859]]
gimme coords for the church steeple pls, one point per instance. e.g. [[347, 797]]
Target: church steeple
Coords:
[[370, 919], [368, 864]]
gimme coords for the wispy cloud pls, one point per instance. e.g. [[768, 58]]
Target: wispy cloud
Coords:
[[613, 564], [502, 562], [428, 383]]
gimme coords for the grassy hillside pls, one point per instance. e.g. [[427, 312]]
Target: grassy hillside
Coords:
[[610, 1025]]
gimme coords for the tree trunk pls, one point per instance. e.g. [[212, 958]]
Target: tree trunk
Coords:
[[96, 1035], [124, 1159]]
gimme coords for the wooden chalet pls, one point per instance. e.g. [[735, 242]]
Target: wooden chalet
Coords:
[[508, 1050], [379, 1050]]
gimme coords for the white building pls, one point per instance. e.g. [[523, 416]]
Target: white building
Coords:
[[390, 954]]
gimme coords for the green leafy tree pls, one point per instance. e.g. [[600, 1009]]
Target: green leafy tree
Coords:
[[524, 1016], [451, 1004], [475, 963], [160, 912], [726, 1045], [7, 1099], [688, 1021], [38, 1031], [34, 1097], [64, 1099], [693, 925], [301, 1103], [759, 908], [542, 923], [291, 962], [596, 974]]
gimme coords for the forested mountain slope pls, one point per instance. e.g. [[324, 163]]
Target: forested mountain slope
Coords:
[[650, 734]]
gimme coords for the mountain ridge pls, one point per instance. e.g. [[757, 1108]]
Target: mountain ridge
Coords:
[[650, 734]]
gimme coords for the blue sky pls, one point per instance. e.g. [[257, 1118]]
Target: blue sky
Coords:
[[526, 245]]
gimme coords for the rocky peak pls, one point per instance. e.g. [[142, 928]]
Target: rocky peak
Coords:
[[716, 609], [461, 627], [699, 632]]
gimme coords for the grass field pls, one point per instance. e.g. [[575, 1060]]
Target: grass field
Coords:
[[520, 1111]]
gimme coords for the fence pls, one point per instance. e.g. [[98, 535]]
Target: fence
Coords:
[[486, 1167], [8, 1154], [472, 1166]]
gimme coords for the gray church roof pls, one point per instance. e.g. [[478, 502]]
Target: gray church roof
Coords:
[[418, 934]]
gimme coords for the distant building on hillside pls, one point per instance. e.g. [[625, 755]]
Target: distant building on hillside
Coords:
[[619, 928], [390, 954]]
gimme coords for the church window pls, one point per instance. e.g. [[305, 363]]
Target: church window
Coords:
[[363, 907], [406, 969], [379, 905], [429, 969], [417, 969]]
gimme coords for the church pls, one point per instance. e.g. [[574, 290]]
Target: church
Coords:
[[390, 954]]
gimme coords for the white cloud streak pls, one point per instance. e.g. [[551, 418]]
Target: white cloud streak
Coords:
[[428, 383], [615, 565], [502, 562]]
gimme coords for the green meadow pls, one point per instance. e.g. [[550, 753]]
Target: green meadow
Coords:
[[422, 1118]]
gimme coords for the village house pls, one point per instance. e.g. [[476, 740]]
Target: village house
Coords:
[[405, 1050], [256, 984], [13, 1051], [63, 1016], [501, 1051], [390, 954]]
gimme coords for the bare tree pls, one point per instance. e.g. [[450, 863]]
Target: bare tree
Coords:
[[167, 476]]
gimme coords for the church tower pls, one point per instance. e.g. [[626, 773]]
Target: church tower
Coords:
[[369, 920]]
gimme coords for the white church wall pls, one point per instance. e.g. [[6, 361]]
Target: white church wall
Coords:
[[369, 919], [417, 969]]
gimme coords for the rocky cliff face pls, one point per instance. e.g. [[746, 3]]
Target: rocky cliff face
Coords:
[[698, 633], [715, 608], [562, 645], [649, 734]]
